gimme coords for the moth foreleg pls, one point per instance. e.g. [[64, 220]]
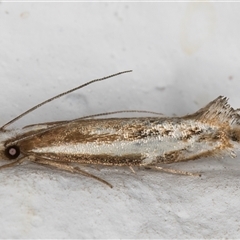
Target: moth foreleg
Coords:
[[18, 162], [69, 168], [174, 171]]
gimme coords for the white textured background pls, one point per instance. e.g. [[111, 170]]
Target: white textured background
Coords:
[[183, 56]]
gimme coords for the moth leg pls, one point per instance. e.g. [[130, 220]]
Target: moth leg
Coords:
[[132, 170], [174, 171], [70, 168], [18, 162], [78, 170]]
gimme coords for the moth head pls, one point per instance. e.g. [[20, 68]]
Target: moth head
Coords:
[[8, 151], [12, 152]]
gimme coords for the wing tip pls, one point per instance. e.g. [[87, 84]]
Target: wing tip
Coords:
[[218, 111]]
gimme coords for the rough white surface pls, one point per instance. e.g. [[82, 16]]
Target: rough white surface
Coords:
[[183, 56]]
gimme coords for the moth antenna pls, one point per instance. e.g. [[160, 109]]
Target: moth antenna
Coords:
[[102, 114], [117, 112], [60, 95]]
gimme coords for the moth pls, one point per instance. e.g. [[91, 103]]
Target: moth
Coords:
[[150, 142]]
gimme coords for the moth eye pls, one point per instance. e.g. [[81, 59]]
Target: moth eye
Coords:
[[12, 152]]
